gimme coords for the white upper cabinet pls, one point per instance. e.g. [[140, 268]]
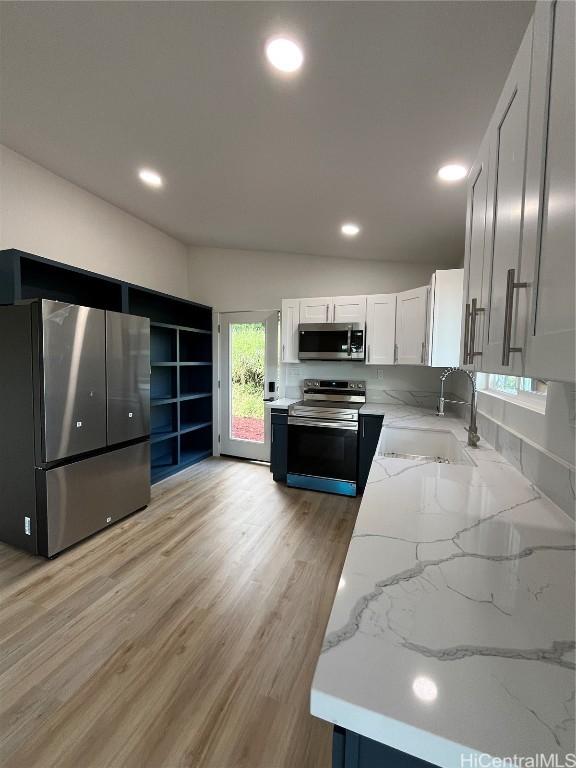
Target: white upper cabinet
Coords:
[[411, 325], [444, 318], [508, 133], [349, 309], [519, 263], [380, 329], [290, 320], [548, 252], [316, 310], [475, 285]]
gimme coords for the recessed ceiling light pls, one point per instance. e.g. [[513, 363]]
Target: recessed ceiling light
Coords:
[[284, 54], [151, 178], [350, 229], [452, 172], [425, 689]]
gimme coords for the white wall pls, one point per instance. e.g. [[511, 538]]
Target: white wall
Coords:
[[232, 280], [46, 215]]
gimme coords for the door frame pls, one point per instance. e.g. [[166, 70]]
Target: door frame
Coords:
[[217, 372]]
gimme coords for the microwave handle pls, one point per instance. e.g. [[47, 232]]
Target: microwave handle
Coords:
[[349, 350]]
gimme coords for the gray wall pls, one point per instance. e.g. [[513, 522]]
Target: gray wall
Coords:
[[44, 214], [232, 280]]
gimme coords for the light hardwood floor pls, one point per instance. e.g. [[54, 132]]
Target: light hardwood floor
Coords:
[[187, 635]]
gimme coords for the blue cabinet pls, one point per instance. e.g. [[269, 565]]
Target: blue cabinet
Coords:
[[279, 446], [350, 750], [370, 427]]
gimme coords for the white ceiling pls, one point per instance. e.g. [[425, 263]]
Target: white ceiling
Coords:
[[389, 92]]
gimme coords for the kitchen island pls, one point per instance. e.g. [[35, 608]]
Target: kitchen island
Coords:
[[452, 631]]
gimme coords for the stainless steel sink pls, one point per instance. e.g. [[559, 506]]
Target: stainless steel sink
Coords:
[[422, 444]]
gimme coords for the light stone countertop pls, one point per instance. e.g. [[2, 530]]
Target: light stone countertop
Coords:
[[374, 409], [282, 403], [452, 630]]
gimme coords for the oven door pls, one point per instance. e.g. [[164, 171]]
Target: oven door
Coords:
[[323, 455], [330, 341]]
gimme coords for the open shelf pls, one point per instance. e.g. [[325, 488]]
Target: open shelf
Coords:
[[193, 426], [163, 345], [156, 401], [180, 348], [46, 280], [168, 309], [163, 383], [195, 347], [164, 458], [196, 445], [164, 419], [195, 380]]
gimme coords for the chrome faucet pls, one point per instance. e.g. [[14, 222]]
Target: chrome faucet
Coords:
[[472, 429]]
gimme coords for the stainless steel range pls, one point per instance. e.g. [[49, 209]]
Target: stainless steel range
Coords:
[[323, 436]]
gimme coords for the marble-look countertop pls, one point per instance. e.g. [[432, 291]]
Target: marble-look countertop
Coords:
[[452, 630], [282, 403], [374, 409]]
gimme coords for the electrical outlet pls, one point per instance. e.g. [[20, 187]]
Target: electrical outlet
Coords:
[[380, 373]]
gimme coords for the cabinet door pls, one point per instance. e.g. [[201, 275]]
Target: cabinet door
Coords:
[[444, 314], [380, 329], [349, 309], [411, 316], [279, 447], [549, 242], [508, 134], [316, 310], [369, 435], [290, 320], [475, 288]]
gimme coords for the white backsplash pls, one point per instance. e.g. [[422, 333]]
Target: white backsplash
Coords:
[[406, 384]]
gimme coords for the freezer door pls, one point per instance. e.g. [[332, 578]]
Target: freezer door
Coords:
[[73, 380], [78, 499], [127, 376]]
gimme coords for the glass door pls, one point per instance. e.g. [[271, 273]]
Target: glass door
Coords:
[[248, 377]]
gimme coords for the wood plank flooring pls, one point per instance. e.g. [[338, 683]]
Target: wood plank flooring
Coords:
[[187, 635]]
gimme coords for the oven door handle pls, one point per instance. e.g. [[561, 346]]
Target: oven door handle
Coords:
[[296, 421]]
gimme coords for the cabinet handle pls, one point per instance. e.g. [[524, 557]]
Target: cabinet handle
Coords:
[[466, 346], [283, 352], [327, 308], [475, 310], [395, 352], [422, 354], [368, 354], [511, 286]]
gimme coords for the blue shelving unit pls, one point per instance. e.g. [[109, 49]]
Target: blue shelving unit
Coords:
[[180, 348]]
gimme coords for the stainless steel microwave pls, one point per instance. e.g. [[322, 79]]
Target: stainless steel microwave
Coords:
[[331, 341]]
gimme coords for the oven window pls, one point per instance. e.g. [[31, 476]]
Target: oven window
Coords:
[[322, 452]]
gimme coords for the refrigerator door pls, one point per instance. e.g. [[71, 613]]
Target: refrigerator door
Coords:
[[127, 376], [79, 499], [73, 388]]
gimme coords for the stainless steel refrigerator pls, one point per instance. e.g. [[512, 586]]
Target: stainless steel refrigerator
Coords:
[[74, 422]]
